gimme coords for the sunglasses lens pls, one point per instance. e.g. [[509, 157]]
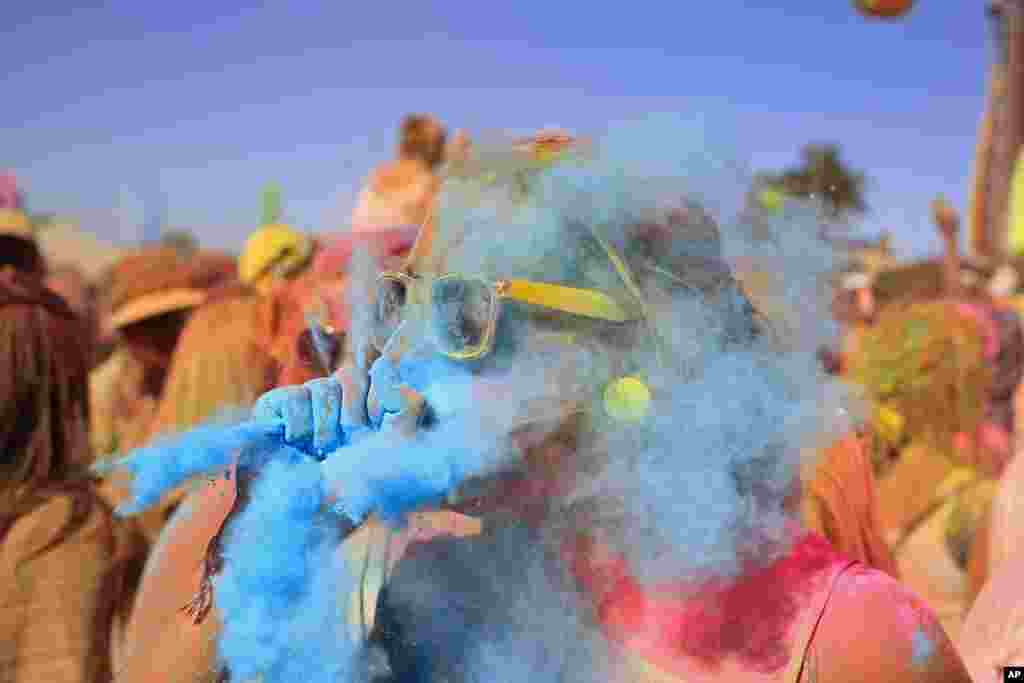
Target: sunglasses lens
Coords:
[[387, 313], [463, 311]]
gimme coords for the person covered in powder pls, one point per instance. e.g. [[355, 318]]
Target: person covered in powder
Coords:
[[941, 376], [473, 572], [595, 412], [66, 565]]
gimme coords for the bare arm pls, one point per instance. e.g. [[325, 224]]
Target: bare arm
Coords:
[[875, 629]]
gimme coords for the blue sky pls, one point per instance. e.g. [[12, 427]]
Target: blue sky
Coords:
[[110, 111]]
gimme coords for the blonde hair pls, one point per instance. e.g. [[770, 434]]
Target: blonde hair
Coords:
[[220, 362]]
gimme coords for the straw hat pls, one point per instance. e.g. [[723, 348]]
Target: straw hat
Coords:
[[157, 281], [15, 223], [156, 304]]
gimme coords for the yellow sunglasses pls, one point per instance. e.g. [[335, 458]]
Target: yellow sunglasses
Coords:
[[464, 310]]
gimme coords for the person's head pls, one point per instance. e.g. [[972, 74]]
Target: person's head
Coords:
[[924, 367], [18, 247], [422, 138], [854, 301], [152, 293], [974, 280], [273, 254], [545, 306], [43, 389]]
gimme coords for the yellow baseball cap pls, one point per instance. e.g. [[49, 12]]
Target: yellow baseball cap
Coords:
[[275, 249]]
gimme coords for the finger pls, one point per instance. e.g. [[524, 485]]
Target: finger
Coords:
[[400, 342], [290, 405], [383, 395], [370, 356], [364, 353], [325, 402], [284, 404], [406, 422], [354, 386]]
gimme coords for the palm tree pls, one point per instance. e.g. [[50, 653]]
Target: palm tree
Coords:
[[823, 175]]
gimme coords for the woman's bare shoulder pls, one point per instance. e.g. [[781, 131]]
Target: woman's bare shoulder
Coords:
[[876, 629], [46, 557], [38, 527]]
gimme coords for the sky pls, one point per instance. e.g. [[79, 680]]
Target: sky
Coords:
[[126, 109]]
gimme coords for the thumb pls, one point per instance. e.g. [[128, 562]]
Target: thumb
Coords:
[[406, 421]]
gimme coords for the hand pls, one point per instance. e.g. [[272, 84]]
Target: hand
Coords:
[[311, 414], [325, 414]]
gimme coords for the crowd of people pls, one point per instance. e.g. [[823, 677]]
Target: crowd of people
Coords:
[[494, 399]]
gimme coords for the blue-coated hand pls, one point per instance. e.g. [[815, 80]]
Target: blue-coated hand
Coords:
[[311, 414]]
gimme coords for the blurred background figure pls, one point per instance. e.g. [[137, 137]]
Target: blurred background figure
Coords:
[[457, 152], [313, 313], [841, 503], [151, 295], [18, 248], [402, 191], [71, 285], [275, 252], [220, 364], [67, 565], [273, 255], [277, 262], [853, 307]]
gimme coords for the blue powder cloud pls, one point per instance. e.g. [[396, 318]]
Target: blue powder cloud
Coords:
[[284, 588], [172, 461], [702, 477]]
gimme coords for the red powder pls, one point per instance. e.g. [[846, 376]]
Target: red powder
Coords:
[[749, 619]]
